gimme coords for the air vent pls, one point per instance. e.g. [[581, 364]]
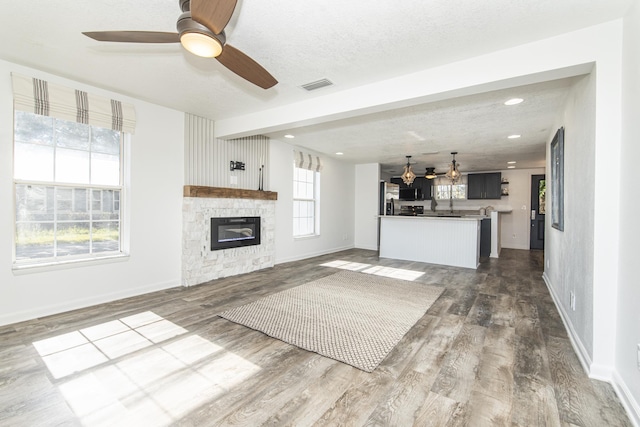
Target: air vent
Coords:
[[317, 84]]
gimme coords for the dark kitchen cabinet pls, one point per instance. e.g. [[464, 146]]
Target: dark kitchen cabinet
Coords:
[[399, 181], [425, 185], [485, 237], [420, 182], [484, 185]]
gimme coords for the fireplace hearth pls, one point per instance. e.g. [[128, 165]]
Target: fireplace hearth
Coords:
[[234, 232]]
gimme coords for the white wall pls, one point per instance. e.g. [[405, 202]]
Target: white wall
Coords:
[[570, 253], [626, 373], [156, 173], [336, 206], [516, 225], [366, 206]]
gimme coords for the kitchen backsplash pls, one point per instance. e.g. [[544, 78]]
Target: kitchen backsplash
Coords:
[[462, 205]]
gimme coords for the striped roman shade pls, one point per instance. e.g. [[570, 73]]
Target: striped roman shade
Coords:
[[49, 99], [308, 161]]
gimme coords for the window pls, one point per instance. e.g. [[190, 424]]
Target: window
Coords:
[[68, 186], [443, 189], [305, 202]]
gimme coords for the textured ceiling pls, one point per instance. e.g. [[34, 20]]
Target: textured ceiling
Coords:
[[351, 43], [476, 126]]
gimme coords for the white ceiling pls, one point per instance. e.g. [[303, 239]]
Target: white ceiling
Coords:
[[352, 43]]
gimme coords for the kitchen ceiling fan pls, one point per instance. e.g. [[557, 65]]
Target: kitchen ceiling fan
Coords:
[[201, 32]]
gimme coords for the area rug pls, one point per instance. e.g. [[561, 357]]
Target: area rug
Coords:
[[352, 317]]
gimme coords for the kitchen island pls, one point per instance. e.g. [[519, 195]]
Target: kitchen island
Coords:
[[453, 241]]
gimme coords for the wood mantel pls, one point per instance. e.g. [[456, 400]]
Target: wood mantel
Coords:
[[228, 193]]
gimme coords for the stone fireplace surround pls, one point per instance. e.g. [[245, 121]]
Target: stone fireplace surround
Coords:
[[199, 263]]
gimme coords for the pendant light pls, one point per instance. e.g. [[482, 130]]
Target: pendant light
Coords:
[[408, 176], [431, 173], [453, 173]]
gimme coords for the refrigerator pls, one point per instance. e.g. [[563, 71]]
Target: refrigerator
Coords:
[[389, 198]]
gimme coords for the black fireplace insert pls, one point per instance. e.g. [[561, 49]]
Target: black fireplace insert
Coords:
[[234, 232]]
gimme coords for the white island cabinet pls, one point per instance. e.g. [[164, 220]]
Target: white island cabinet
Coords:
[[435, 240]]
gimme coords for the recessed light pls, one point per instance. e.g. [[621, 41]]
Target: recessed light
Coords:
[[514, 101], [513, 162], [339, 153], [513, 136], [511, 167], [289, 136]]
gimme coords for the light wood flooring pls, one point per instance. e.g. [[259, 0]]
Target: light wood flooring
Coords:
[[491, 351]]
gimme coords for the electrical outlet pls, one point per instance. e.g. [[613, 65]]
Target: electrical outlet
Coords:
[[572, 300], [233, 180], [548, 263], [639, 357]]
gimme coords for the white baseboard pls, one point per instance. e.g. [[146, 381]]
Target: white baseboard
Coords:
[[313, 254], [601, 372], [576, 343], [597, 371], [21, 316], [367, 247], [626, 397]]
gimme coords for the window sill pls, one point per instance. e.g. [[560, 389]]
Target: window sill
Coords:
[[19, 269], [310, 236]]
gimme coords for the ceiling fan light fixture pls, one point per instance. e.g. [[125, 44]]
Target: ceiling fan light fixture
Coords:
[[201, 44], [431, 173], [198, 39], [408, 176]]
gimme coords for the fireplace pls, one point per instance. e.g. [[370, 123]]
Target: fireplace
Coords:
[[234, 232]]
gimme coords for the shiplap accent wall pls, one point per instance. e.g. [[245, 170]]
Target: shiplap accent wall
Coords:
[[198, 150], [207, 158]]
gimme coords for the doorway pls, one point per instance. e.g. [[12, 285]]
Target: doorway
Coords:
[[538, 210]]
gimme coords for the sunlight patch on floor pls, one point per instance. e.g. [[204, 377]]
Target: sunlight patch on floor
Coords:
[[346, 265], [395, 273], [157, 385], [89, 347]]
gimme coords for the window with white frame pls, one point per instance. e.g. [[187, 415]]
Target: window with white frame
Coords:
[[443, 189], [68, 189], [305, 202]]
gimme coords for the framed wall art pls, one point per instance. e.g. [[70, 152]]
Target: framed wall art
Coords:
[[557, 180]]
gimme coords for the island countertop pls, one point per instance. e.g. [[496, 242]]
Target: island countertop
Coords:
[[437, 216]]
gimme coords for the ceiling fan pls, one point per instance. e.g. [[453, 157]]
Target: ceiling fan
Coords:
[[201, 32]]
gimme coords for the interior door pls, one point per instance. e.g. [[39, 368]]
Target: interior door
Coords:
[[538, 210]]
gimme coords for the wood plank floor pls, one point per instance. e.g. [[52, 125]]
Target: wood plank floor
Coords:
[[491, 351]]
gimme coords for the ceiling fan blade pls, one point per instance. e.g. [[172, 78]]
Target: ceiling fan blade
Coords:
[[246, 67], [134, 36], [213, 14]]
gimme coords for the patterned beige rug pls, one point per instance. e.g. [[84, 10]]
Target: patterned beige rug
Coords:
[[352, 317]]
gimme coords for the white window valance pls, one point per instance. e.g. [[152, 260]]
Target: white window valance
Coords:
[[49, 99], [307, 161]]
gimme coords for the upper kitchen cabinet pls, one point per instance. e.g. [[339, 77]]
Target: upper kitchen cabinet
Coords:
[[420, 182], [399, 181], [425, 185], [484, 185]]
